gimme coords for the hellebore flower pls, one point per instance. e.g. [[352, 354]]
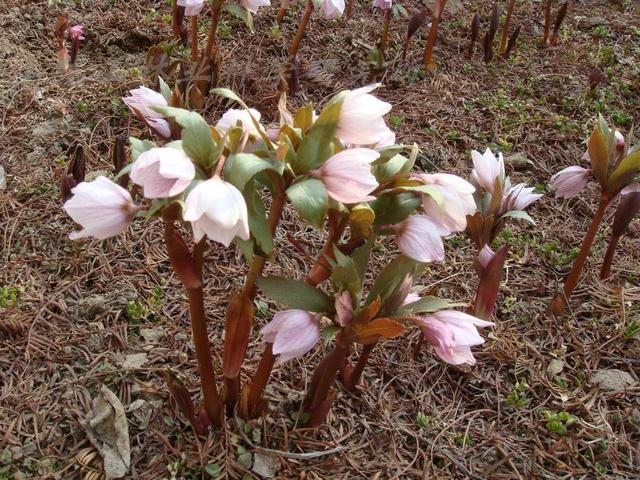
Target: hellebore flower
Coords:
[[140, 102], [619, 144], [487, 169], [360, 121], [518, 197], [631, 188], [458, 201], [253, 5], [382, 4], [332, 8], [292, 333], [103, 208], [75, 33], [485, 256], [163, 172], [453, 333], [242, 118], [570, 181], [344, 308], [347, 175], [191, 7], [418, 237], [217, 209]]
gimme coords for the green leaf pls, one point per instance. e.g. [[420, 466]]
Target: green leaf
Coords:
[[304, 117], [519, 214], [426, 305], [230, 94], [344, 274], [329, 333], [361, 256], [165, 89], [295, 294], [391, 278], [258, 224], [139, 146], [213, 470], [394, 166], [394, 208], [242, 167], [599, 154], [431, 190], [239, 12], [197, 141], [315, 147], [626, 171], [309, 198]]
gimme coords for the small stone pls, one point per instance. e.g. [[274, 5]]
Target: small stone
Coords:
[[612, 380], [181, 337], [555, 367], [151, 335], [3, 178], [265, 465], [134, 360], [518, 161]]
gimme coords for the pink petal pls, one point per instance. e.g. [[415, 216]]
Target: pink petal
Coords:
[[418, 237]]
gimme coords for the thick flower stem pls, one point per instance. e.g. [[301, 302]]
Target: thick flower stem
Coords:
[[352, 380], [260, 381], [297, 40], [605, 271], [433, 35], [559, 302], [547, 23], [210, 396], [384, 38], [194, 38], [211, 38], [248, 294], [505, 27]]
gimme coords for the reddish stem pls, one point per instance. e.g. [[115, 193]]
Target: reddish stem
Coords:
[[385, 29], [433, 35], [211, 38], [605, 272], [297, 40], [353, 378], [194, 38]]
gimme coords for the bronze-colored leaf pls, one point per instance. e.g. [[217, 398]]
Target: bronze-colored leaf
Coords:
[[237, 329], [375, 330], [562, 13], [473, 37]]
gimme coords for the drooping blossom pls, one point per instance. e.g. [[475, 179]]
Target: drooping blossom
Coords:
[[163, 172], [344, 308], [485, 256], [347, 175], [292, 333], [253, 5], [101, 207], [217, 209], [75, 33], [419, 238], [619, 144], [570, 181], [140, 101], [240, 118], [518, 197], [382, 4], [332, 8], [487, 169], [458, 201], [360, 121], [191, 7], [410, 298], [631, 188], [453, 333]]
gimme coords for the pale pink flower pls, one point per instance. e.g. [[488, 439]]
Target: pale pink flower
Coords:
[[458, 201], [217, 209], [485, 256], [453, 333], [570, 181], [253, 5], [388, 140], [360, 121], [292, 333], [191, 7], [347, 175], [140, 102], [163, 172], [240, 118], [631, 188], [518, 197], [75, 33], [419, 238], [382, 4], [619, 143], [344, 308], [410, 298], [101, 207], [332, 8], [487, 169]]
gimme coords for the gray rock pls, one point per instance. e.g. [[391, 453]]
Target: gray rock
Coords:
[[612, 380]]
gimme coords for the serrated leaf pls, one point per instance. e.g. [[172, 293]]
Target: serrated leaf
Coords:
[[426, 305], [520, 214], [197, 141], [626, 171], [376, 329], [230, 94], [394, 166], [391, 278], [165, 89], [239, 12], [242, 167], [361, 218], [315, 147], [258, 224], [344, 274], [295, 294], [599, 155], [394, 208], [310, 199], [303, 118], [329, 333]]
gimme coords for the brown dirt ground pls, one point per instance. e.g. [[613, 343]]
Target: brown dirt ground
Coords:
[[80, 307]]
